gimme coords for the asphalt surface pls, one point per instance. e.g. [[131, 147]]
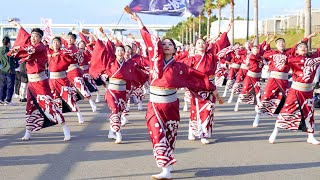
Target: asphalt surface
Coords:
[[236, 151]]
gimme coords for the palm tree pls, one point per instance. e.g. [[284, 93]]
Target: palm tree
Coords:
[[182, 36], [208, 6], [189, 23], [219, 5], [200, 21], [186, 26], [232, 17], [255, 4], [193, 30], [308, 21]]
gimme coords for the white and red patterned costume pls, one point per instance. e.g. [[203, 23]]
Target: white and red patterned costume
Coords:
[[163, 108], [137, 91], [275, 91], [74, 73], [41, 110], [84, 66], [234, 67], [250, 92], [298, 110], [60, 85], [222, 70], [202, 111], [237, 86], [120, 74]]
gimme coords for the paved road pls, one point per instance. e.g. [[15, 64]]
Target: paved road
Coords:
[[238, 151]]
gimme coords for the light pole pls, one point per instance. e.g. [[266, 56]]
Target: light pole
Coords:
[[256, 18], [248, 6], [308, 21]]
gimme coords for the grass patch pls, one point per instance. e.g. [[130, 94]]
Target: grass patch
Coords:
[[291, 36]]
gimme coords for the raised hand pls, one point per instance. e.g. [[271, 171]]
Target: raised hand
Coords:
[[272, 38], [268, 36], [313, 34], [135, 16], [15, 23], [130, 36], [93, 35], [229, 25]]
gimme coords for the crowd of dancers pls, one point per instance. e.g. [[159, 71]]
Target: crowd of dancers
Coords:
[[65, 72]]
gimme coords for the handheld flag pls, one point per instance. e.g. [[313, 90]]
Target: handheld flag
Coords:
[[167, 7]]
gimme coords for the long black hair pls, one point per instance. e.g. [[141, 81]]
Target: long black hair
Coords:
[[174, 44]]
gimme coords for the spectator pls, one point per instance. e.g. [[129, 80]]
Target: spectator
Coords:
[[17, 82], [23, 83], [7, 73]]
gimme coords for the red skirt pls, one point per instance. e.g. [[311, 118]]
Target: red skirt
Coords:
[[297, 112], [63, 91], [117, 102], [90, 82], [202, 116], [163, 123], [239, 81], [41, 110], [250, 92], [274, 94]]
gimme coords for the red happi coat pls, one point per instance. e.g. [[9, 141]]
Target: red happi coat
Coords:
[[85, 60], [62, 87], [202, 111], [250, 92], [126, 71], [140, 60], [85, 39], [75, 75], [222, 70], [85, 66], [99, 58], [276, 88], [78, 56], [41, 110], [298, 110], [233, 71], [137, 91], [237, 86], [163, 118]]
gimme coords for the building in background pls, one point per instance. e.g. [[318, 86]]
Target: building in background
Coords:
[[240, 28], [276, 25], [284, 23]]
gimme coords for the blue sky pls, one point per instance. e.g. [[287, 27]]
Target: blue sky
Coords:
[[109, 11]]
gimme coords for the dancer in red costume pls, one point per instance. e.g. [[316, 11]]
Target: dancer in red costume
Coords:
[[275, 91], [234, 66], [262, 47], [74, 73], [243, 53], [250, 93], [202, 111], [85, 65], [166, 76], [298, 110], [41, 110], [64, 93], [120, 72]]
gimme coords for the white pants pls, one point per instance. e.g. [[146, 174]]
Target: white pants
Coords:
[[23, 90]]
